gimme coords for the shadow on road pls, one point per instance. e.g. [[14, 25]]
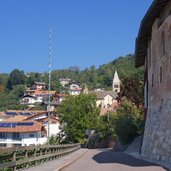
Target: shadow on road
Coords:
[[110, 156]]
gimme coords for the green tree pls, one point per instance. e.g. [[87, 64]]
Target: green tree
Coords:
[[76, 114], [3, 82], [38, 76], [16, 77], [18, 91], [30, 80], [4, 101], [11, 99], [106, 126], [128, 122], [15, 96], [132, 88]]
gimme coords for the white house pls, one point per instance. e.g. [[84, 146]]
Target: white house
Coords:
[[20, 130], [54, 126], [22, 133], [29, 99], [74, 89], [44, 94], [24, 129], [38, 86], [105, 98], [64, 81]]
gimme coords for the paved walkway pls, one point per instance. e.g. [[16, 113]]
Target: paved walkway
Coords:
[[55, 165], [102, 160], [108, 160]]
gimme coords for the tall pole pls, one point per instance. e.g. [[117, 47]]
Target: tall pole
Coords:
[[49, 86]]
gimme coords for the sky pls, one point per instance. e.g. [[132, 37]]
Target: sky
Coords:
[[84, 32]]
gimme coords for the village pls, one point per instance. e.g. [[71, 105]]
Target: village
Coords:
[[30, 127], [112, 117]]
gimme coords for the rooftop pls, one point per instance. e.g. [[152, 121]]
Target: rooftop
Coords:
[[24, 126], [40, 83], [44, 92], [102, 94], [145, 30]]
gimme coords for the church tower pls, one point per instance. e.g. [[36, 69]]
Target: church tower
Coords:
[[116, 83]]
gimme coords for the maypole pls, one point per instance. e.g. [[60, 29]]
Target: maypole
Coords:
[[49, 85]]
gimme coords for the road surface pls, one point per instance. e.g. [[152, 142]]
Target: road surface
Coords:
[[108, 160]]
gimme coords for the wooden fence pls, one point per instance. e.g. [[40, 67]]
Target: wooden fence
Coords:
[[24, 157]]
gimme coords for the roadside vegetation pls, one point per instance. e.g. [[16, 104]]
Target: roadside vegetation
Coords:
[[76, 115], [79, 113]]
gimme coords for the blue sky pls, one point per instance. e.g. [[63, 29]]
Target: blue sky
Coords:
[[85, 32]]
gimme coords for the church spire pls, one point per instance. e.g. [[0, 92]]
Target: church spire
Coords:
[[116, 83]]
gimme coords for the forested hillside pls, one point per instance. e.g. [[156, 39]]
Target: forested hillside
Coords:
[[101, 77], [13, 85]]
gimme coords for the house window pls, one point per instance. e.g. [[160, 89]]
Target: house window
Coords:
[[152, 81], [2, 135], [116, 86], [31, 135], [162, 43], [3, 145], [161, 74], [16, 136]]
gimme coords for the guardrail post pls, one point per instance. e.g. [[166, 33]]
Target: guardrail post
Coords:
[[35, 150], [26, 157], [46, 152], [14, 160]]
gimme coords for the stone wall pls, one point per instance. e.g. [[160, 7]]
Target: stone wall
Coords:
[[157, 135]]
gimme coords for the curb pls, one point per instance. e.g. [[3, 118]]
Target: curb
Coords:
[[70, 162]]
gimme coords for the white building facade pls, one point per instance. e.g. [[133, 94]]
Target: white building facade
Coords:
[[74, 89], [21, 134], [116, 83]]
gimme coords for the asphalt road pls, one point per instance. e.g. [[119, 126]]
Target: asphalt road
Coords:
[[108, 160]]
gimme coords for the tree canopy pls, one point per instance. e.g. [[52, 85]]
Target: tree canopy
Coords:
[[77, 114], [128, 121], [16, 77]]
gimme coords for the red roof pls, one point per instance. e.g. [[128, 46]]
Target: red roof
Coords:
[[52, 120], [61, 95], [32, 128], [36, 115], [75, 89], [44, 92]]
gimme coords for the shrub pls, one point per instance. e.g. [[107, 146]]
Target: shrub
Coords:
[[128, 122]]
